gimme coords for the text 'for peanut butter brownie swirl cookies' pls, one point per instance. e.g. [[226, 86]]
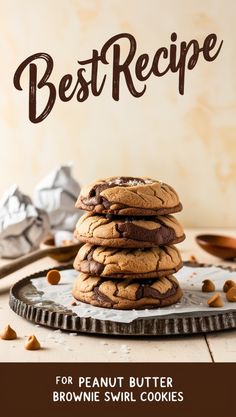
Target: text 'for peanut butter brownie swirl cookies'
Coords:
[[128, 257]]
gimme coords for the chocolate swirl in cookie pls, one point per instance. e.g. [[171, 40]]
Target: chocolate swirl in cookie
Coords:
[[128, 263], [127, 294], [129, 196], [128, 231]]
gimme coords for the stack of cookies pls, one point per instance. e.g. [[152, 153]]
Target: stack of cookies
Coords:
[[128, 257]]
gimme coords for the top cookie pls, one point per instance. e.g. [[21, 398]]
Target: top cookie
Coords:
[[129, 196]]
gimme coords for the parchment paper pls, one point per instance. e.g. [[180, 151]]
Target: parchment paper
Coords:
[[190, 279]]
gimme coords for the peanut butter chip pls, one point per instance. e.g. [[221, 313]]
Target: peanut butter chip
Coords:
[[8, 333], [231, 295], [215, 300], [53, 277], [32, 343], [67, 242], [208, 286], [192, 259], [228, 284]]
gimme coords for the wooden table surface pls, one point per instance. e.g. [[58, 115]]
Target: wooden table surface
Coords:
[[58, 346]]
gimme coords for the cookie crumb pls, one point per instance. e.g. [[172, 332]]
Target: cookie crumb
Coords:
[[53, 277], [32, 343], [228, 284], [125, 349], [215, 300], [8, 333], [208, 286], [68, 348], [231, 294], [73, 303]]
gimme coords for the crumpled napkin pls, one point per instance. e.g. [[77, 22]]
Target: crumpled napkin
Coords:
[[57, 194], [22, 225]]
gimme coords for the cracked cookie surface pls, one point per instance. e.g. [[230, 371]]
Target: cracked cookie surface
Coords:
[[129, 196], [127, 294], [128, 263], [128, 232]]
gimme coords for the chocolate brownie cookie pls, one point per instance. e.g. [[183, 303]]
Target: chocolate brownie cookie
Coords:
[[128, 232], [129, 196], [128, 263], [127, 294]]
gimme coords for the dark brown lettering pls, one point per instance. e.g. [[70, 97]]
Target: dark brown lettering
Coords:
[[34, 85], [87, 81]]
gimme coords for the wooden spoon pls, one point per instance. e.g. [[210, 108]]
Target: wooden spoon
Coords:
[[60, 253], [223, 247]]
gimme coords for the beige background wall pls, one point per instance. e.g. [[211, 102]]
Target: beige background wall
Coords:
[[188, 141]]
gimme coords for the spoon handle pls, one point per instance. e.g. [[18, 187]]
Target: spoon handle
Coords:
[[23, 261]]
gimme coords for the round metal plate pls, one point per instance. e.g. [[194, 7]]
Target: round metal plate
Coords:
[[59, 317]]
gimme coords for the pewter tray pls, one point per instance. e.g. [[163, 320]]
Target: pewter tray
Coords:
[[62, 317]]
